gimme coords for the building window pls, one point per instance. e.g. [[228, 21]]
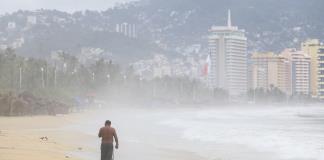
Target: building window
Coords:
[[321, 58], [322, 86], [321, 72], [322, 79], [321, 65]]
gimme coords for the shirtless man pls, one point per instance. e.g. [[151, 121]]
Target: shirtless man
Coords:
[[108, 134]]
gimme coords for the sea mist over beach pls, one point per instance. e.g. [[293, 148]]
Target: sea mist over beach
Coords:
[[251, 133], [179, 79]]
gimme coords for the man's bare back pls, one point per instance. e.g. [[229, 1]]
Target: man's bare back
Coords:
[[108, 134]]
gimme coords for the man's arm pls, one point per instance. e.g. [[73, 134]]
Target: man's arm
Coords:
[[116, 139], [99, 134]]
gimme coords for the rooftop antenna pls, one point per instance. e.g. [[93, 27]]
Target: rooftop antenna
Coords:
[[229, 19]]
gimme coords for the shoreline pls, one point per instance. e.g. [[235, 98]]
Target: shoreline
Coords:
[[20, 138], [74, 136]]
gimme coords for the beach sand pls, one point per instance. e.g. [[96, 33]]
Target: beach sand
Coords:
[[20, 138], [74, 137]]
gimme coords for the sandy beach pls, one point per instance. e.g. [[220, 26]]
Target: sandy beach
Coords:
[[168, 134], [60, 138], [33, 138]]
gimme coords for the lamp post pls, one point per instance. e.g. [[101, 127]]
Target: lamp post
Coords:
[[55, 77], [46, 74], [64, 67], [194, 91], [108, 78], [125, 77], [254, 96], [141, 79], [20, 77], [43, 83], [154, 88]]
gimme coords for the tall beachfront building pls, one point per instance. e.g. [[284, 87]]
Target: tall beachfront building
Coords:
[[311, 47], [270, 70], [300, 70], [228, 58], [321, 73]]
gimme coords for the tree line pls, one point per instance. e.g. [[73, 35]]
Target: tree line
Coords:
[[64, 78]]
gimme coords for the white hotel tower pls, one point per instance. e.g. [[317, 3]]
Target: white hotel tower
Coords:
[[228, 54]]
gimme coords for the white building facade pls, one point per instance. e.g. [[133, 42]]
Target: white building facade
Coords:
[[228, 54]]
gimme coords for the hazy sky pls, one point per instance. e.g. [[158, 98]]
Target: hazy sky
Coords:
[[64, 5]]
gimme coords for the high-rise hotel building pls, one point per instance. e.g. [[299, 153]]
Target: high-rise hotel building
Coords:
[[300, 70], [321, 73], [311, 47], [228, 56]]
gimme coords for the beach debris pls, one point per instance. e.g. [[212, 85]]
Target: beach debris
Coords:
[[67, 156], [80, 148], [44, 138]]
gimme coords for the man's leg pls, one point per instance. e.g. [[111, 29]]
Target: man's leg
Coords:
[[104, 151], [110, 152]]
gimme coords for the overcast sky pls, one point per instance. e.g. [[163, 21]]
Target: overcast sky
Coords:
[[64, 5]]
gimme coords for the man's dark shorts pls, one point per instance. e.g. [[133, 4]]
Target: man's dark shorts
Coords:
[[107, 151]]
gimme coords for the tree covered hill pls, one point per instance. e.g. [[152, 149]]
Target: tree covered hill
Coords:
[[164, 26]]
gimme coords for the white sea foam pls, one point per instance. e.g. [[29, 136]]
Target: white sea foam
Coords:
[[290, 133]]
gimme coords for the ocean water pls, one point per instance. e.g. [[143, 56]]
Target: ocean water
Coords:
[[286, 133], [245, 133]]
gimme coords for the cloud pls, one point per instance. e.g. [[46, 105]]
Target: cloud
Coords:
[[64, 5]]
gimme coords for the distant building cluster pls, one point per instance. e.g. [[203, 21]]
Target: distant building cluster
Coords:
[[18, 42], [293, 71], [160, 66], [31, 20], [127, 29], [11, 25], [89, 55], [288, 71]]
